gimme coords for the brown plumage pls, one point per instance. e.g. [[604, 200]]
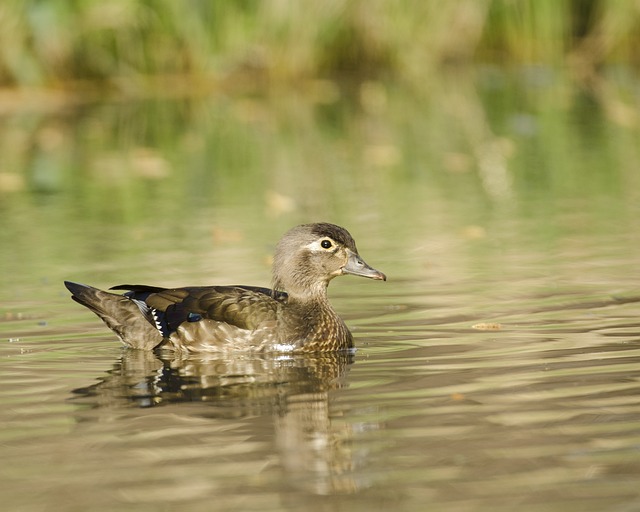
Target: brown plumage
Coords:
[[294, 316]]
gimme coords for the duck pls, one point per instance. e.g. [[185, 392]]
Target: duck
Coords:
[[294, 316]]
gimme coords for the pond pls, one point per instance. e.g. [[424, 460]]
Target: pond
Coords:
[[498, 368]]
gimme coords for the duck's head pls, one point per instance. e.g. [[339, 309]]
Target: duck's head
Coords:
[[310, 255]]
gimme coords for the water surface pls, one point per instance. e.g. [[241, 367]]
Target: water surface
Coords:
[[497, 369]]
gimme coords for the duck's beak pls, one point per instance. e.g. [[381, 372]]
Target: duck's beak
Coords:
[[357, 267]]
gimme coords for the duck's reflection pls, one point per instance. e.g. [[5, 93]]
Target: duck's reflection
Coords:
[[313, 442]]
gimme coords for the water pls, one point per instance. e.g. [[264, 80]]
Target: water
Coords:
[[497, 369]]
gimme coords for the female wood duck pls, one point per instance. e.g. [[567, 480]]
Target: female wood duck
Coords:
[[294, 316]]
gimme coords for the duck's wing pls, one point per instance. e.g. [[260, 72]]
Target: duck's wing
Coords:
[[245, 307]]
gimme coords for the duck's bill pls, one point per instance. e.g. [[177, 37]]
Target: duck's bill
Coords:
[[357, 267]]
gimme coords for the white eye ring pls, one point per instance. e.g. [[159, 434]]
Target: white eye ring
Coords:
[[325, 244]]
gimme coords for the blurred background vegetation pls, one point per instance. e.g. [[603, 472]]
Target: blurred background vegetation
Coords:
[[139, 46]]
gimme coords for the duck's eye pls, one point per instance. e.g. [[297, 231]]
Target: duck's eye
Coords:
[[326, 244]]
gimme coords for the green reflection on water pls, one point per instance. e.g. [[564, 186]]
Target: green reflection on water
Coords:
[[477, 163]]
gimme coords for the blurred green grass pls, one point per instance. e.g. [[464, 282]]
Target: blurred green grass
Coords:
[[196, 44]]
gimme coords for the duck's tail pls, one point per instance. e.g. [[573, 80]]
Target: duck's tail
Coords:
[[130, 319]]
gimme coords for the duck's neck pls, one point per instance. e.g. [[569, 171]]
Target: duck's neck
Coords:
[[303, 289]]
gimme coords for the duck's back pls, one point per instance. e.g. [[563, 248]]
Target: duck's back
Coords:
[[212, 318]]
